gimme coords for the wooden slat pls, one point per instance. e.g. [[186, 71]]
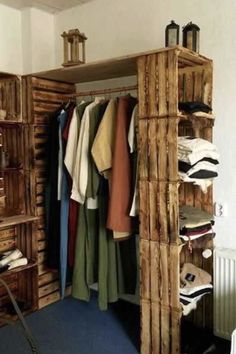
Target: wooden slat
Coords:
[[48, 289], [51, 85], [42, 108], [155, 295], [49, 299], [47, 278], [42, 96], [42, 245], [162, 84], [145, 327], [142, 87], [15, 220], [144, 210], [143, 149], [172, 84]]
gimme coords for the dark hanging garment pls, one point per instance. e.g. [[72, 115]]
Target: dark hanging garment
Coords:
[[65, 119], [53, 205]]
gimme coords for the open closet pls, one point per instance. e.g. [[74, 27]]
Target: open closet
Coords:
[[165, 77]]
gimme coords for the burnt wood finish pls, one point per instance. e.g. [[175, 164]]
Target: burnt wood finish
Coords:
[[16, 228], [165, 77], [41, 97]]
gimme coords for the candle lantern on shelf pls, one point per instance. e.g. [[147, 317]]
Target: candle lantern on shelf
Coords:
[[172, 34], [74, 47], [191, 37]]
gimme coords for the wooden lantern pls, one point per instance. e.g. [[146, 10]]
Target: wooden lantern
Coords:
[[74, 47]]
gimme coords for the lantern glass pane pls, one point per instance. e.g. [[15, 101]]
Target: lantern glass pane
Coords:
[[190, 40], [172, 37], [197, 41]]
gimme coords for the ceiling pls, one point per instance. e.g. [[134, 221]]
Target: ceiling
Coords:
[[48, 5]]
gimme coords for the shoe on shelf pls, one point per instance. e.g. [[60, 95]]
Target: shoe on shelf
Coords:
[[12, 256], [14, 264]]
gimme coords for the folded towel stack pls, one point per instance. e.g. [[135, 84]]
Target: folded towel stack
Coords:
[[197, 109], [198, 160], [195, 283], [195, 223]]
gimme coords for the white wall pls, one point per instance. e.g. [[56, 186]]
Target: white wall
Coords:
[[38, 44], [26, 40], [10, 40], [120, 27]]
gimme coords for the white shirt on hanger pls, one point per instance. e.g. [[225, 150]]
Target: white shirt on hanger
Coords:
[[80, 173], [131, 139]]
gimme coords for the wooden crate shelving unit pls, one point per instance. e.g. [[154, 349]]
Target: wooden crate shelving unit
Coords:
[[16, 227], [40, 99], [165, 77]]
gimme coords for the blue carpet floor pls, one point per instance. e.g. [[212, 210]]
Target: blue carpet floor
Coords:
[[75, 327]]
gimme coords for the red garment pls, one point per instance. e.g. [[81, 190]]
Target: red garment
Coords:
[[121, 190], [73, 221], [70, 111], [73, 205]]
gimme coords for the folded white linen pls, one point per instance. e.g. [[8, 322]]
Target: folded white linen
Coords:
[[202, 183], [202, 165], [190, 291], [190, 144], [193, 157]]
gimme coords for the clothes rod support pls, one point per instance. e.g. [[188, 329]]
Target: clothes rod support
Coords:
[[104, 91]]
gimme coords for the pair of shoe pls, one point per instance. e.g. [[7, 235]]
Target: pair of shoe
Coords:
[[12, 259]]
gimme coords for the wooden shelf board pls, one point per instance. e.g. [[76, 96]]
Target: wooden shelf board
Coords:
[[10, 122], [16, 220], [31, 264], [11, 169], [191, 118], [115, 67]]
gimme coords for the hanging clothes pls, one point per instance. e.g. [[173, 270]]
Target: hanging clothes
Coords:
[[120, 195], [53, 205], [132, 139], [107, 256], [87, 230], [70, 160], [95, 248], [80, 175], [64, 197], [103, 148]]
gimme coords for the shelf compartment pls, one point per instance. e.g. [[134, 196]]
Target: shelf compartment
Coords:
[[31, 264], [10, 98]]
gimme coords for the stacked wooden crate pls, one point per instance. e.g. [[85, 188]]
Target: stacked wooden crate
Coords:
[[195, 84], [164, 79], [40, 99]]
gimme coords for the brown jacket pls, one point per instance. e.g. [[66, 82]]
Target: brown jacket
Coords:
[[121, 191]]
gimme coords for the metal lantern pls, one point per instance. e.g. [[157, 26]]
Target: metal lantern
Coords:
[[172, 34], [191, 36]]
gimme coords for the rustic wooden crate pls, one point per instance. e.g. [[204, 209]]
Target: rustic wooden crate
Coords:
[[40, 99], [10, 97], [164, 79]]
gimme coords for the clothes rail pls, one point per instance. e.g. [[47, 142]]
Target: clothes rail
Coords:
[[102, 91]]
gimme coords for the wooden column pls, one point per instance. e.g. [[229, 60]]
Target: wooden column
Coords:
[[158, 183]]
